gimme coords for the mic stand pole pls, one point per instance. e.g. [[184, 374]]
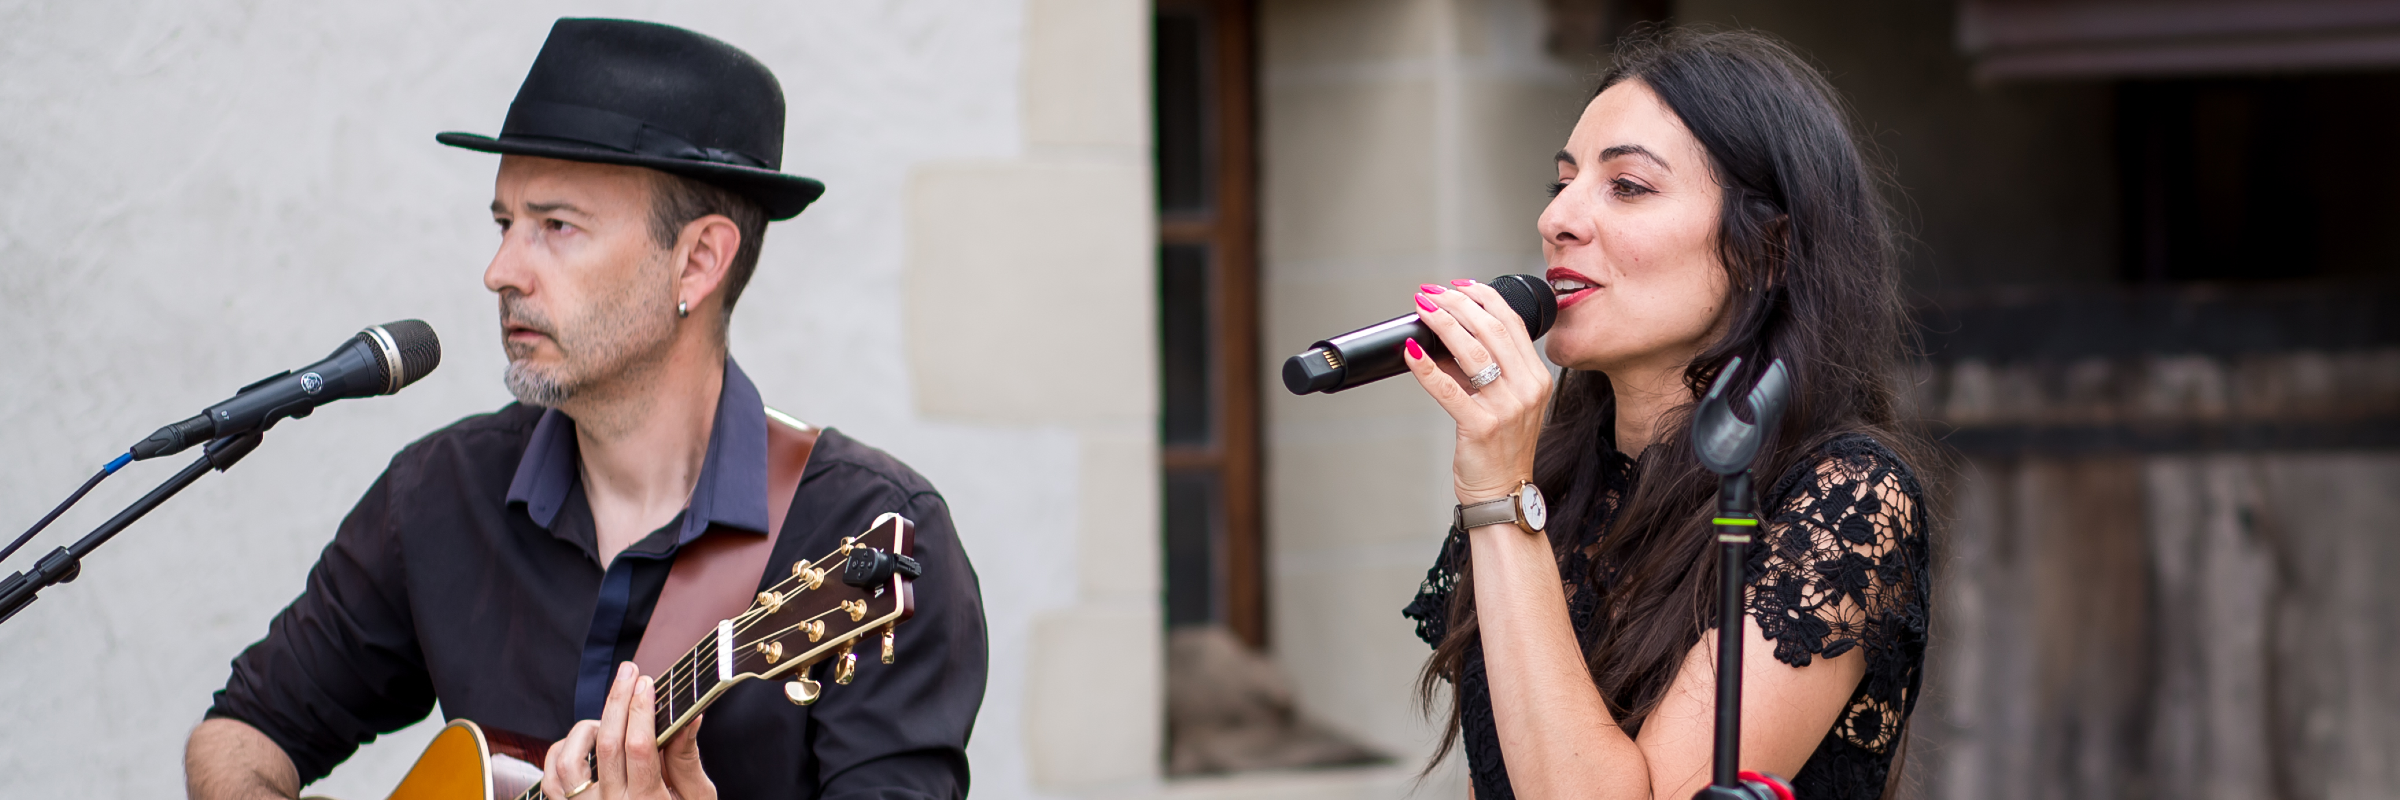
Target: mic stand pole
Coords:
[[1736, 520], [1728, 445], [65, 563]]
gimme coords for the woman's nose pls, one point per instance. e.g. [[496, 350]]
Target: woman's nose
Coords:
[[1563, 221]]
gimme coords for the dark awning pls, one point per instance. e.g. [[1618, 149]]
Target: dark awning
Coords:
[[2038, 39]]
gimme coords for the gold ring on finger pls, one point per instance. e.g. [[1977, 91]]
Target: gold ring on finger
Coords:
[[587, 785], [1484, 377]]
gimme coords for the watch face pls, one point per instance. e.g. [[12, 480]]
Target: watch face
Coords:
[[1530, 506]]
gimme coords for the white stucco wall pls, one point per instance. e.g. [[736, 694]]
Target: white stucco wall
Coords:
[[194, 194]]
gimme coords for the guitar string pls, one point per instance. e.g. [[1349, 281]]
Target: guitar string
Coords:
[[741, 646], [690, 668], [683, 676], [687, 669]]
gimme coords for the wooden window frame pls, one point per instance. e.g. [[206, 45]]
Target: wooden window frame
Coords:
[[1230, 231]]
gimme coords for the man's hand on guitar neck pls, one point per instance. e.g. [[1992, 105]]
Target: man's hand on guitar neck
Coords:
[[623, 746]]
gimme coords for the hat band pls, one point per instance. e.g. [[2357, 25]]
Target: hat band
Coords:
[[611, 130]]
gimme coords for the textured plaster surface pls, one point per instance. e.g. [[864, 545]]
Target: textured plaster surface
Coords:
[[199, 193]]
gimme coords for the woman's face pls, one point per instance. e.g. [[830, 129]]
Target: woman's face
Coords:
[[1631, 240]]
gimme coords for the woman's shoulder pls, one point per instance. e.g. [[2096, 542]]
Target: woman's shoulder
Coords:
[[1849, 460]]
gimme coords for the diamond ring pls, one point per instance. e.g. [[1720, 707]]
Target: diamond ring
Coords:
[[1485, 376]]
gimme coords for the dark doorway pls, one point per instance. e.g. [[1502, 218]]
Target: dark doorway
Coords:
[[2239, 179]]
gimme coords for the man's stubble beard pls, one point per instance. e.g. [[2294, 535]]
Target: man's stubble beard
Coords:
[[622, 336]]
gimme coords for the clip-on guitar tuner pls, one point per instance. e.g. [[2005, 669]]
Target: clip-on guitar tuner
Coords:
[[1727, 444]]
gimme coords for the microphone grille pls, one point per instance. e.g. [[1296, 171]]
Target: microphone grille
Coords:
[[1531, 298], [420, 350]]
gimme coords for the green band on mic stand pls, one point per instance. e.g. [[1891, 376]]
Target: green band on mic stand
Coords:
[[1737, 521]]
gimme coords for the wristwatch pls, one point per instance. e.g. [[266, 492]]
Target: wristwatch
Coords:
[[1523, 507]]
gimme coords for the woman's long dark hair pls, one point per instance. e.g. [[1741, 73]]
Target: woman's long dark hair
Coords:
[[1808, 249]]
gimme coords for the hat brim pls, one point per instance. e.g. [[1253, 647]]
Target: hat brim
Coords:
[[783, 196]]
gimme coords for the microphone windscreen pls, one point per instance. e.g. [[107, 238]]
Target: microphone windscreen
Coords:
[[420, 350], [1531, 298]]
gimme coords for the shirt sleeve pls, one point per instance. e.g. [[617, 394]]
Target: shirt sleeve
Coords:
[[1843, 566], [900, 731], [340, 665]]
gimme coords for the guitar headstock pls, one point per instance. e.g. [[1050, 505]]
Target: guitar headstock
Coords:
[[816, 613]]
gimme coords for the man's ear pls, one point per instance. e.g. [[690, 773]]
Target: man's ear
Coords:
[[705, 251]]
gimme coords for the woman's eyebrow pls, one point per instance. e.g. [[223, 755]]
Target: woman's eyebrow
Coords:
[[1619, 151], [1564, 157]]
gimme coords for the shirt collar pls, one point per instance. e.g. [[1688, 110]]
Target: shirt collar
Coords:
[[732, 490]]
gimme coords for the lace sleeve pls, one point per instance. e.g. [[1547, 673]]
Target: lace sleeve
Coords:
[[1431, 607], [1843, 566]]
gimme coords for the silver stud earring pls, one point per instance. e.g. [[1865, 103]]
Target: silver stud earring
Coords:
[[683, 308]]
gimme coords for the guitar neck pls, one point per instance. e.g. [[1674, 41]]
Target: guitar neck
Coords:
[[697, 668], [687, 687], [816, 614]]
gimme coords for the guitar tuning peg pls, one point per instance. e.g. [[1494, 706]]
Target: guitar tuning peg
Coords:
[[845, 667], [888, 642], [803, 691]]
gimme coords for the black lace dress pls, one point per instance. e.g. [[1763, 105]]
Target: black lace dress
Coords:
[[1843, 564]]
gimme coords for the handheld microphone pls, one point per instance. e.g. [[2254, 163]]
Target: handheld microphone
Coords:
[[379, 360], [1372, 353]]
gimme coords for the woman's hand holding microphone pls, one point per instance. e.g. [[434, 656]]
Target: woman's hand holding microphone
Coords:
[[1495, 387]]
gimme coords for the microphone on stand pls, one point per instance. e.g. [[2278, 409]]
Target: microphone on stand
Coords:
[[1372, 353], [379, 360]]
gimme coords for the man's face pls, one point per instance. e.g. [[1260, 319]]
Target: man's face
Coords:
[[587, 298]]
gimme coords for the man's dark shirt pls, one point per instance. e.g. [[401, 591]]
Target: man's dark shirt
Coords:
[[469, 573]]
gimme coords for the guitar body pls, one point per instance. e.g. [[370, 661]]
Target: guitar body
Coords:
[[456, 766]]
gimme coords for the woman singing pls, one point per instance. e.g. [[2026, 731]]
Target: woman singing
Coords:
[[1711, 203]]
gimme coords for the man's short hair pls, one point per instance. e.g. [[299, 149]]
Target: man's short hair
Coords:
[[676, 200]]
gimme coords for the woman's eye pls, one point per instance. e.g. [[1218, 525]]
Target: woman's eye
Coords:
[[1555, 187], [1625, 188]]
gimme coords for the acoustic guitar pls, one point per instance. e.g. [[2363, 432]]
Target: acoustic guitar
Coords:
[[816, 615]]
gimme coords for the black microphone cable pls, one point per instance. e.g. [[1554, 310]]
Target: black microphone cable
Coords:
[[106, 471]]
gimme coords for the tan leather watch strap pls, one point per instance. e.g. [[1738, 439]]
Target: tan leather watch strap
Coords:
[[716, 575], [1496, 511]]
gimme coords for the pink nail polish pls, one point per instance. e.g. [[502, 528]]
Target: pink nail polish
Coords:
[[1426, 304], [1414, 351], [1430, 289], [1462, 283]]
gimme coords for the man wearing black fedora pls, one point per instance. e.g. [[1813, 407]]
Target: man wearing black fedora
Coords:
[[508, 566]]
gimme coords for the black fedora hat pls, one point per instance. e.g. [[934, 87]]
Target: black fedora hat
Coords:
[[617, 91]]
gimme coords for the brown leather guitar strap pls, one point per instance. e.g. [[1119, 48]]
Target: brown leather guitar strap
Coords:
[[716, 576]]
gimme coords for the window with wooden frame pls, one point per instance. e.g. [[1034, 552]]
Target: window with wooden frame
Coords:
[[1207, 316]]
